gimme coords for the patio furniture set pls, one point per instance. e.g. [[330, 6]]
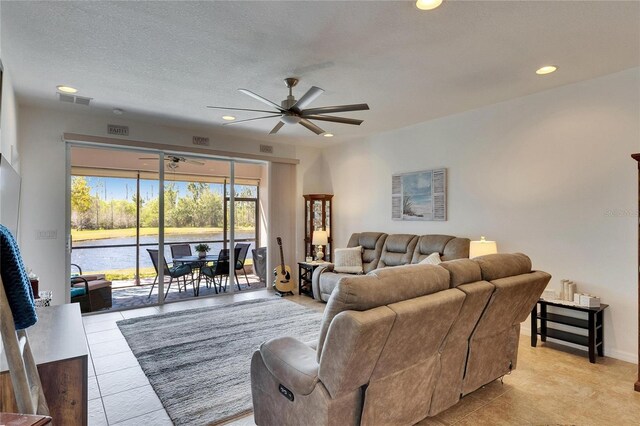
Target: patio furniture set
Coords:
[[94, 292], [214, 268]]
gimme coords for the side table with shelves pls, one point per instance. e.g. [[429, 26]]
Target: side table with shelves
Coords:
[[594, 324], [305, 274]]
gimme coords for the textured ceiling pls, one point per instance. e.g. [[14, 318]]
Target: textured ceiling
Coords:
[[165, 61]]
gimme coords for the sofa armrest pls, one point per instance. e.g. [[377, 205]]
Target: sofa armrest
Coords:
[[315, 279], [292, 362]]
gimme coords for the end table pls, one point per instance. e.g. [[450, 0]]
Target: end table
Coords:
[[594, 324], [305, 274]]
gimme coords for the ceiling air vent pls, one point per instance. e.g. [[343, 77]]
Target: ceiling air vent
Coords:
[[66, 98], [83, 101], [267, 149], [74, 99]]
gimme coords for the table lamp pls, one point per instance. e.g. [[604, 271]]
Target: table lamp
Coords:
[[320, 238], [482, 247]]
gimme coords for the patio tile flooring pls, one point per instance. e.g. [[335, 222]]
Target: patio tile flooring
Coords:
[[134, 296]]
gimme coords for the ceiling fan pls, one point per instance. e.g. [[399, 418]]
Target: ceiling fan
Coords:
[[292, 111], [174, 160]]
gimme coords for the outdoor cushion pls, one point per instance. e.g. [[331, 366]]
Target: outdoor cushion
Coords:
[[180, 270], [77, 291], [93, 285]]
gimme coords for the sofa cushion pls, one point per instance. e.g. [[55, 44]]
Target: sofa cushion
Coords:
[[330, 281], [501, 265], [398, 250], [462, 271], [428, 244], [348, 260], [381, 287], [457, 248], [371, 243]]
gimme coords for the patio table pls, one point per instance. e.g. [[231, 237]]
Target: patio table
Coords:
[[196, 262]]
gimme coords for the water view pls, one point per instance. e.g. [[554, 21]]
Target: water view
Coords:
[[120, 259]]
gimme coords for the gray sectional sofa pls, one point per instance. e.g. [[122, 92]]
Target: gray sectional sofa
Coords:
[[381, 250], [399, 344]]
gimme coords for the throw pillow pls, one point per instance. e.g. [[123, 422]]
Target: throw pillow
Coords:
[[432, 259], [348, 260]]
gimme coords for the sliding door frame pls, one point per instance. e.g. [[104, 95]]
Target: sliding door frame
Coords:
[[69, 144]]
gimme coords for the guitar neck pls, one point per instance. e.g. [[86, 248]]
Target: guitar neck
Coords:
[[281, 257]]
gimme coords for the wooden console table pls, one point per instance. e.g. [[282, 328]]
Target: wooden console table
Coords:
[[594, 324], [60, 350]]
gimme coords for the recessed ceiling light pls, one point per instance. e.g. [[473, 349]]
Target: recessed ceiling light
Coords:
[[228, 117], [328, 135], [66, 89], [118, 111], [547, 69], [428, 4]]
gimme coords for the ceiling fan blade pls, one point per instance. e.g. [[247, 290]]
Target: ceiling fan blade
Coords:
[[311, 95], [251, 119], [276, 128], [261, 99], [337, 108], [309, 125], [334, 119], [240, 109]]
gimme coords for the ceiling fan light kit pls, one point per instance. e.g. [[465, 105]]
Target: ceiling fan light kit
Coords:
[[292, 111]]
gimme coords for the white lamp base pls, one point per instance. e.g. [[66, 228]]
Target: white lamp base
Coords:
[[319, 254]]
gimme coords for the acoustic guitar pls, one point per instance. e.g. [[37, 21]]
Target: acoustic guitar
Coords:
[[282, 275]]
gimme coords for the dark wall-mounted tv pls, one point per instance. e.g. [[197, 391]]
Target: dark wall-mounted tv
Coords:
[[9, 196]]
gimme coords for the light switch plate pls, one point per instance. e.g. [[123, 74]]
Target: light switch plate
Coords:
[[46, 234]]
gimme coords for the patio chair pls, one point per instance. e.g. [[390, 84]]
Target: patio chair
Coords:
[[244, 249], [92, 291], [220, 269], [178, 250], [260, 263], [175, 272]]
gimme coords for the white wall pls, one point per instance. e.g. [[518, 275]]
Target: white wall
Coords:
[[44, 177], [548, 174], [9, 122], [8, 117]]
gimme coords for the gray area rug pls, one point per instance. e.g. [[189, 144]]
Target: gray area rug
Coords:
[[198, 360]]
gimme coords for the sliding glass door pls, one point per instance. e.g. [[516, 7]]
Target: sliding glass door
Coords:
[[134, 211]]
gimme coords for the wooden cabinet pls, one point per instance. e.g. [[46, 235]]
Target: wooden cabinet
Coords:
[[637, 385], [317, 217], [60, 350]]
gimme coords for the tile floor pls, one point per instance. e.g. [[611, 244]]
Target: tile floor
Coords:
[[551, 385]]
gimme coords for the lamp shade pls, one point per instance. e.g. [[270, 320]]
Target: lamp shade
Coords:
[[482, 247], [320, 238]]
